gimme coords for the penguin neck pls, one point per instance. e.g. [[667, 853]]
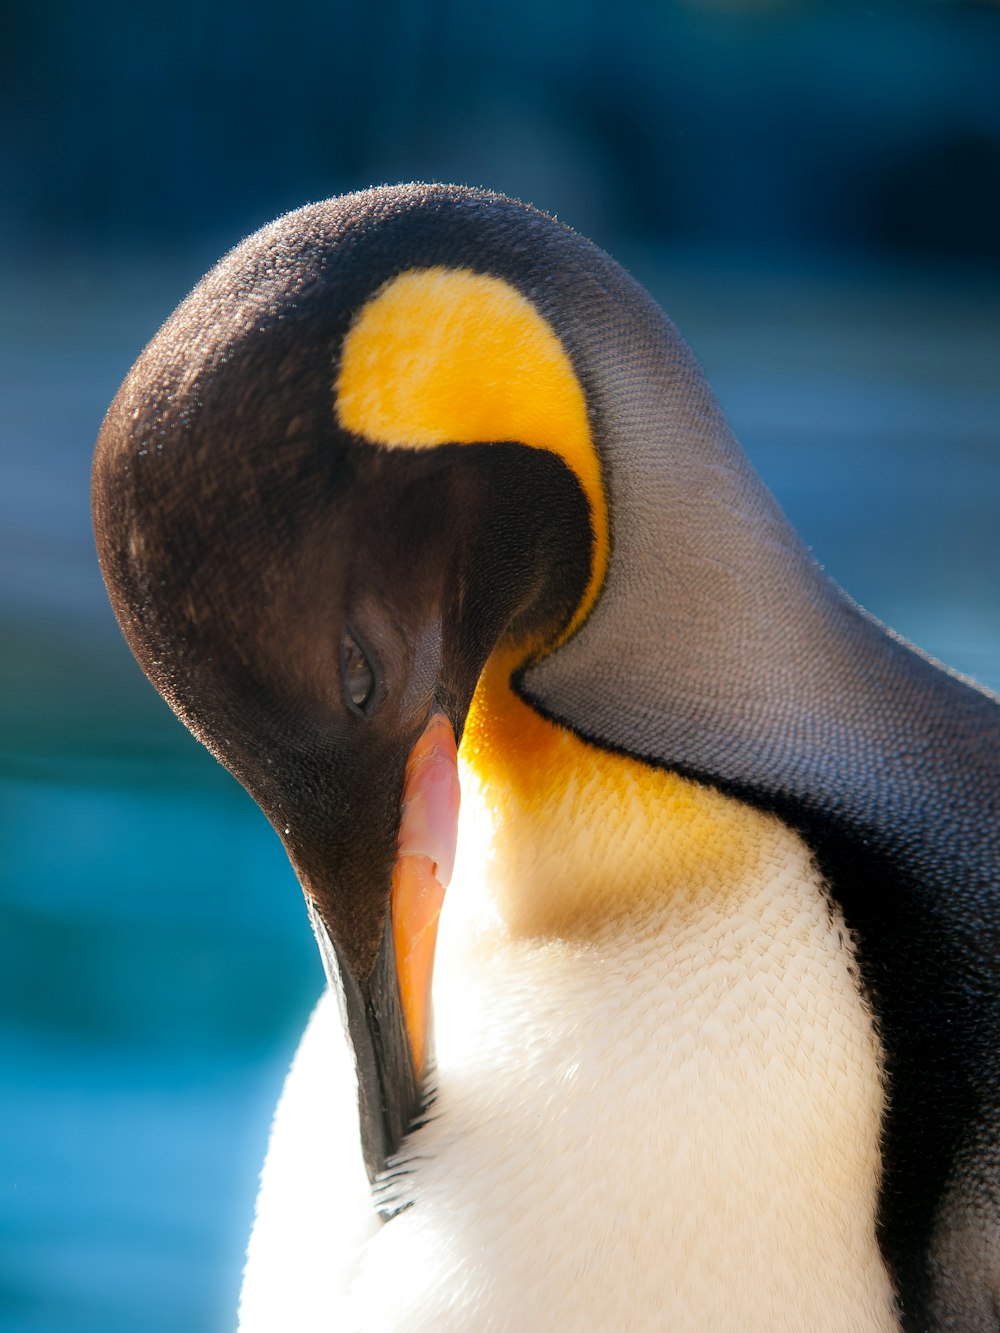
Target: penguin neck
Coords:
[[717, 647]]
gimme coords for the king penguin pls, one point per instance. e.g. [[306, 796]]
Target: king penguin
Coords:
[[714, 1040]]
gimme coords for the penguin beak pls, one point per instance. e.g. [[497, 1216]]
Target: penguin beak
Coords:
[[425, 859], [387, 1015]]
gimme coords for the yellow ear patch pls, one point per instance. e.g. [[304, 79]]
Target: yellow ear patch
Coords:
[[447, 356]]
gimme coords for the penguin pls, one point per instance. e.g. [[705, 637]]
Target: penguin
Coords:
[[418, 497]]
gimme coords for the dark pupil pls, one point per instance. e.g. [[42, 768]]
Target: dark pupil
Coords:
[[359, 680]]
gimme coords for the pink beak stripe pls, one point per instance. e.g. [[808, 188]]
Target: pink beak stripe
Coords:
[[425, 858]]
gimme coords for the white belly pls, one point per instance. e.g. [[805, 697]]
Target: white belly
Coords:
[[673, 1125]]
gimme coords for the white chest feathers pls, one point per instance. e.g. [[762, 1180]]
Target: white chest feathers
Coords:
[[672, 1126]]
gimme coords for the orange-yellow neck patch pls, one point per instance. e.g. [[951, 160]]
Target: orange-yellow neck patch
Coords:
[[447, 356], [584, 839]]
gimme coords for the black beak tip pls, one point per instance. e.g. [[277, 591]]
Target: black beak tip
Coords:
[[390, 1093]]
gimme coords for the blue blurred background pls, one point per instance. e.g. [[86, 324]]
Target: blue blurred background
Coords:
[[811, 190]]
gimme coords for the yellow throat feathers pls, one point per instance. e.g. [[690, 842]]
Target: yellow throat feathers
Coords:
[[581, 837]]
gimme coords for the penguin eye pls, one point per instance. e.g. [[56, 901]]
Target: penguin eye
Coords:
[[357, 675]]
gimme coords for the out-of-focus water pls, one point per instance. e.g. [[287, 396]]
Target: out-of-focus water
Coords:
[[156, 963]]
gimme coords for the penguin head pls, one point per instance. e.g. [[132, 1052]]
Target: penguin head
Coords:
[[331, 488]]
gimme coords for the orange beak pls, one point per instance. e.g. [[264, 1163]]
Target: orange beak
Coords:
[[425, 858]]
